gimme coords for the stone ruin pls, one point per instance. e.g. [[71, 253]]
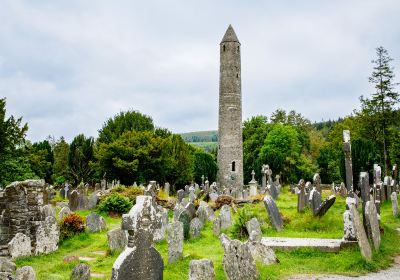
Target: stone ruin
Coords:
[[22, 212]]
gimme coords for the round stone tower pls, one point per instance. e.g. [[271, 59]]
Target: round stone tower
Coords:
[[230, 143]]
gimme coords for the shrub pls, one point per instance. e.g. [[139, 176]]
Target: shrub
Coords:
[[244, 215], [72, 224], [129, 192], [115, 203]]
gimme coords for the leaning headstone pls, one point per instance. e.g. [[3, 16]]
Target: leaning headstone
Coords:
[[273, 190], [65, 211], [48, 211], [195, 228], [95, 223], [325, 205], [74, 200], [226, 217], [315, 200], [373, 224], [47, 236], [175, 241], [238, 262], [273, 213], [254, 229], [139, 260], [201, 270], [81, 272], [217, 226], [117, 239], [361, 235], [395, 204], [20, 246], [185, 219], [25, 273]]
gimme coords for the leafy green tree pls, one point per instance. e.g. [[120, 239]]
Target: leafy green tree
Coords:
[[329, 162], [204, 165], [123, 122], [41, 159], [60, 166], [380, 108], [80, 156]]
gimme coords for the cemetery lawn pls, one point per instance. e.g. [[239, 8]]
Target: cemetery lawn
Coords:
[[347, 261]]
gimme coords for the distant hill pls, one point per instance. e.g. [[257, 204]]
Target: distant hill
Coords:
[[207, 140], [200, 136]]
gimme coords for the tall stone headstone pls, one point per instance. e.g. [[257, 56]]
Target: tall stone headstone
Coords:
[[238, 262], [181, 194], [301, 197], [117, 239], [47, 236], [74, 200], [175, 241], [273, 213], [201, 270], [317, 182], [315, 200], [195, 228], [139, 260], [361, 235], [395, 204], [230, 143], [20, 246], [348, 160], [253, 185], [254, 229], [167, 189], [371, 216], [225, 217], [263, 178], [95, 223], [185, 218]]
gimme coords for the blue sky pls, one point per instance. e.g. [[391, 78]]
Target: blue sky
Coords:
[[67, 66]]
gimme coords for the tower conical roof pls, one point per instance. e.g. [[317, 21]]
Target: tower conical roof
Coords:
[[230, 35]]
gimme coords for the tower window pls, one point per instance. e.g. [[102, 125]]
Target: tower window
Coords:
[[237, 75], [233, 166], [223, 48], [238, 49]]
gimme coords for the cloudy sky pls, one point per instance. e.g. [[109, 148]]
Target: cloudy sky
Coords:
[[67, 66]]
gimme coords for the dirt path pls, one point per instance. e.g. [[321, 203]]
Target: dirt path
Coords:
[[392, 273]]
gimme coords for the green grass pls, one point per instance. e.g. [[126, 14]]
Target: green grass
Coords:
[[347, 262]]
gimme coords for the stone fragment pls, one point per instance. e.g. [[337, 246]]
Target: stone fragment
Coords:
[[25, 273], [70, 259], [395, 204], [217, 226], [373, 224], [273, 213], [175, 241], [225, 217], [93, 200], [48, 211], [65, 211], [20, 246], [325, 205], [361, 235], [95, 223], [117, 239], [162, 215], [47, 236], [195, 228], [201, 270], [262, 253], [6, 265], [185, 219], [81, 272], [254, 229], [238, 262], [349, 230]]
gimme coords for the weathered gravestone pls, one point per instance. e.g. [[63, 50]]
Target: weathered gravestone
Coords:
[[74, 200], [373, 224], [95, 223], [185, 219], [47, 236], [301, 197], [195, 228], [93, 201], [213, 196], [178, 209], [181, 194], [48, 211], [325, 205], [201, 213], [139, 260], [347, 159], [225, 217], [238, 262], [361, 235], [217, 226], [62, 193], [261, 252], [162, 214], [65, 211], [273, 190], [20, 246], [117, 239], [25, 273], [254, 229], [201, 270], [349, 230], [191, 210], [175, 241], [317, 182], [395, 204], [315, 200], [273, 213], [167, 189], [81, 272]]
